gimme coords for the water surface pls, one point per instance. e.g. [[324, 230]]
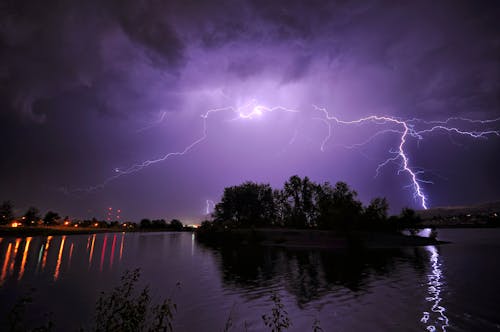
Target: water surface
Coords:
[[451, 287]]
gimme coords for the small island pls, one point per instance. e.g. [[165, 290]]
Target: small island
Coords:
[[311, 215]]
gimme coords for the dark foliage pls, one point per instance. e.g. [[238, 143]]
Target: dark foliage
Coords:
[[303, 204], [50, 218], [32, 215], [6, 212]]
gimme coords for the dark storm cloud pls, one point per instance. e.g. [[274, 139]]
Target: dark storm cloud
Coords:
[[146, 23], [57, 46], [94, 72]]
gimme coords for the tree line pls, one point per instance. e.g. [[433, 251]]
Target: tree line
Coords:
[[302, 203], [33, 217]]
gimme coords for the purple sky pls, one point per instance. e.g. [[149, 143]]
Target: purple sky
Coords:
[[90, 88]]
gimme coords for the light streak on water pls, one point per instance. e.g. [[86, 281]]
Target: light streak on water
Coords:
[[103, 251], [5, 263], [25, 256], [59, 258], [434, 290], [112, 254], [121, 246], [13, 258], [45, 252], [70, 253], [40, 253], [91, 250]]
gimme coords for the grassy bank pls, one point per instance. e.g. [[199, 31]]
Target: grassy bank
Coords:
[[66, 230], [51, 230], [313, 238]]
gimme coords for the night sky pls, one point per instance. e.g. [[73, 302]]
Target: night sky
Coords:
[[91, 88]]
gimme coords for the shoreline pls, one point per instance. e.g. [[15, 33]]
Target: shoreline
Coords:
[[314, 239], [27, 231]]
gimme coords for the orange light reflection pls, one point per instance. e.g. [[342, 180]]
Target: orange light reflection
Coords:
[[91, 250], [70, 253], [13, 258], [25, 256], [45, 251], [59, 257], [121, 246], [5, 263]]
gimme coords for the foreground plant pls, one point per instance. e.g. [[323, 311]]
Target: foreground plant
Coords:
[[278, 320], [124, 309], [16, 317]]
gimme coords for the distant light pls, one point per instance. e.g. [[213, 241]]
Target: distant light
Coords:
[[76, 225], [15, 224], [66, 223], [96, 224], [124, 225]]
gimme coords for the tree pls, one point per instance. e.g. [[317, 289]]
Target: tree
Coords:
[[338, 206], [281, 207], [249, 204], [145, 223], [6, 212], [32, 215], [50, 218], [376, 212], [176, 225], [159, 223], [408, 218], [299, 194]]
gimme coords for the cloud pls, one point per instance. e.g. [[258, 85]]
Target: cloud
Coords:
[[59, 47]]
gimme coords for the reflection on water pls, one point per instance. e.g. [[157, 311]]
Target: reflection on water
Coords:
[[5, 262], [435, 286], [25, 256], [442, 288], [91, 249], [59, 258], [311, 274], [40, 252]]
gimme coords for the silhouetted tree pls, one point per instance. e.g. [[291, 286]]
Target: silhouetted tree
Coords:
[[50, 218], [6, 212], [249, 204], [376, 213], [299, 195], [145, 223], [176, 225], [338, 206], [408, 218], [159, 223], [300, 204], [32, 215], [282, 208]]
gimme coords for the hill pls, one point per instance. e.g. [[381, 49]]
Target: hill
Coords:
[[482, 214]]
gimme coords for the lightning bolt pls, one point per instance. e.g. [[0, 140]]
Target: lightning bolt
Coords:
[[248, 111], [406, 129], [209, 203]]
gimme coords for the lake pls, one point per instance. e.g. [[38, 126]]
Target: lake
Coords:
[[452, 287]]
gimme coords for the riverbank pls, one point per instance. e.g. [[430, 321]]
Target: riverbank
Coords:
[[26, 231], [321, 239]]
